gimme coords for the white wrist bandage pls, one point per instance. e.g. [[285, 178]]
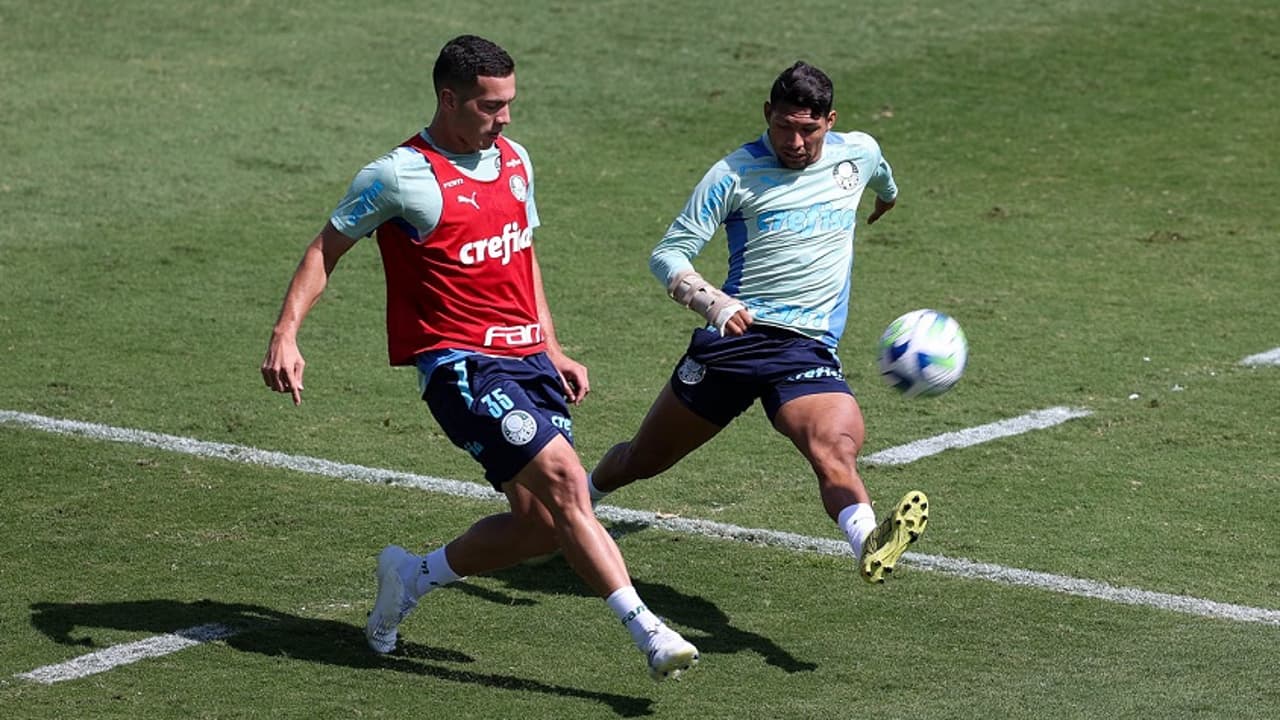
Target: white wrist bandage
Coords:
[[690, 290]]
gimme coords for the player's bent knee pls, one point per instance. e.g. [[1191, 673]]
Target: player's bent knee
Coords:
[[834, 457], [555, 474], [565, 497]]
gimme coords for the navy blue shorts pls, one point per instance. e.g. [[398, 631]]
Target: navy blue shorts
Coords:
[[720, 377], [501, 410]]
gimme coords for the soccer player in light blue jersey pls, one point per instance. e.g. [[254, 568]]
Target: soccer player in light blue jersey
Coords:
[[788, 202]]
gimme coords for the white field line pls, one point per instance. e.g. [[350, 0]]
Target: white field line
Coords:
[[1270, 357], [252, 456], [357, 473], [958, 567], [117, 655], [913, 451]]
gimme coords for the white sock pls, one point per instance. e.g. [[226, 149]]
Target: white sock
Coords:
[[422, 574], [626, 604], [857, 521], [596, 493]]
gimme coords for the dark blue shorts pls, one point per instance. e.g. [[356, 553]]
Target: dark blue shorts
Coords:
[[501, 410], [720, 377]]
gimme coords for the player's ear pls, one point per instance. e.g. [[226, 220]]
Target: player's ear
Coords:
[[448, 99], [831, 119], [768, 110]]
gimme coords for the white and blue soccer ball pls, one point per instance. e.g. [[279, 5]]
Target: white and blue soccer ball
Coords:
[[923, 353]]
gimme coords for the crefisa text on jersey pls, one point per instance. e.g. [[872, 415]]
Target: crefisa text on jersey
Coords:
[[512, 240]]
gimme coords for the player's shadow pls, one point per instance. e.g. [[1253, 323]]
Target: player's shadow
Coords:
[[257, 629], [717, 635]]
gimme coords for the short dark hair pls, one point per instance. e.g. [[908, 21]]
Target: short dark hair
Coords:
[[804, 86], [467, 57]]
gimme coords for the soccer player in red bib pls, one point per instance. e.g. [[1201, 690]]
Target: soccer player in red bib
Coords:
[[453, 212]]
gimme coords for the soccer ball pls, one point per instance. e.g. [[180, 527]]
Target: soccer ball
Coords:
[[923, 353]]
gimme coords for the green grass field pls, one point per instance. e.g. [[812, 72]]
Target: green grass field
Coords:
[[1088, 186]]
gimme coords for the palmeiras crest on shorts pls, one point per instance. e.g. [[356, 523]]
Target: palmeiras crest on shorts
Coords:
[[846, 175], [519, 427], [518, 188], [691, 371]]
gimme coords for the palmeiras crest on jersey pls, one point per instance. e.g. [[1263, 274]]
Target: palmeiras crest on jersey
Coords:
[[518, 187], [519, 427], [846, 175], [691, 372]]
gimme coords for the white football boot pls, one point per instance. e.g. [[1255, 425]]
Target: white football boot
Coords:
[[669, 654], [393, 602]]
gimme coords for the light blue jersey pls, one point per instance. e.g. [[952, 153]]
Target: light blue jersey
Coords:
[[790, 232]]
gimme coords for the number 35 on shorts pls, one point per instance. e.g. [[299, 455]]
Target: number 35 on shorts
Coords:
[[497, 402]]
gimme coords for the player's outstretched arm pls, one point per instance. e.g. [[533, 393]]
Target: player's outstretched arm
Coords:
[[283, 365]]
